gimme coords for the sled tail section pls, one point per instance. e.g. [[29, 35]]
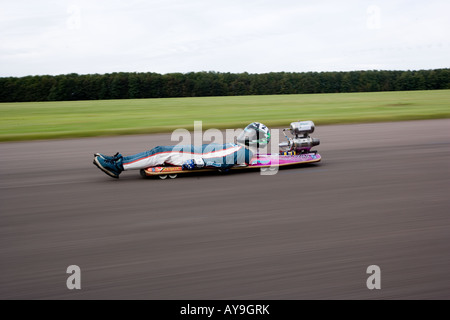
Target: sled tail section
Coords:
[[261, 161], [283, 160]]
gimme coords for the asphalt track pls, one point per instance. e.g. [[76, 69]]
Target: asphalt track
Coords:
[[380, 196]]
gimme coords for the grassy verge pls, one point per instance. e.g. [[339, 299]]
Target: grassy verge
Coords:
[[47, 120]]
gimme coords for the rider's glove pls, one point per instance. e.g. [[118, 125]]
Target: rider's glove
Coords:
[[188, 165], [192, 164]]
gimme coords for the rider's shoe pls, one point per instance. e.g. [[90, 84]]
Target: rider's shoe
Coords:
[[111, 158], [112, 166]]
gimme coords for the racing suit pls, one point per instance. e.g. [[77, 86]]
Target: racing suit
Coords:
[[215, 155]]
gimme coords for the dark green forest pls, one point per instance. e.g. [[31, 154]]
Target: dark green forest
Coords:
[[200, 84]]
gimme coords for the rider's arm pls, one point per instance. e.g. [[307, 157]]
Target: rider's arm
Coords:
[[242, 157], [213, 164]]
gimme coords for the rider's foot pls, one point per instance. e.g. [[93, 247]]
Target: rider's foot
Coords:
[[114, 157], [112, 167]]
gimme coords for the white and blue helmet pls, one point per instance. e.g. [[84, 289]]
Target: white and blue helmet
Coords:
[[255, 134]]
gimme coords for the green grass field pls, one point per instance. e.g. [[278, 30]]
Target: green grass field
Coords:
[[46, 120]]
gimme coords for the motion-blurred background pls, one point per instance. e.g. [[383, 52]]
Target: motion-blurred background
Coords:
[[79, 77]]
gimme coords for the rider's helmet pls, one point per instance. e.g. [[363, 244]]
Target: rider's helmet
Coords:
[[255, 135]]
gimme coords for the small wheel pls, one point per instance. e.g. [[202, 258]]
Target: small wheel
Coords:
[[163, 176], [173, 176], [271, 168]]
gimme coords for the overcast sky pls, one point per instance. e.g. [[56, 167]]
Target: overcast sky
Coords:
[[101, 36]]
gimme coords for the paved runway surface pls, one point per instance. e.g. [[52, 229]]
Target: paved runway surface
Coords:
[[380, 196]]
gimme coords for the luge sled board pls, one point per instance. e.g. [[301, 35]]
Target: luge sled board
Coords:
[[261, 161]]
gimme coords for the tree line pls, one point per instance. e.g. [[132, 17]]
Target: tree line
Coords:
[[200, 84]]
